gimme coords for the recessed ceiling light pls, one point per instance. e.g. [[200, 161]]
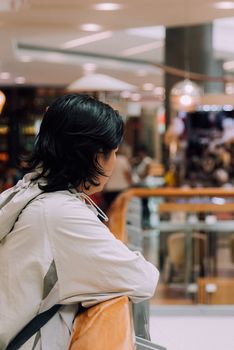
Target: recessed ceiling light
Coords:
[[20, 80], [224, 5], [155, 32], [91, 27], [89, 67], [142, 48], [87, 39], [108, 6], [4, 75], [148, 86]]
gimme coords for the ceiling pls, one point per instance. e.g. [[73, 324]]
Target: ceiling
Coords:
[[43, 43]]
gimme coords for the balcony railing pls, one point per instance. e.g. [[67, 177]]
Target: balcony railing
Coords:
[[189, 236]]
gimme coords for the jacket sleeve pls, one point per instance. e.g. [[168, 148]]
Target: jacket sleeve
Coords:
[[92, 265]]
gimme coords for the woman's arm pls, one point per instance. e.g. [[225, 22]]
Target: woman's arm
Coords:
[[92, 265]]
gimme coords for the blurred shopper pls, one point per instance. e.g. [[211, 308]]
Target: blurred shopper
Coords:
[[141, 163], [120, 180], [141, 166], [54, 249]]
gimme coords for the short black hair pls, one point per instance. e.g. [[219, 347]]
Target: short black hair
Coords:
[[75, 128]]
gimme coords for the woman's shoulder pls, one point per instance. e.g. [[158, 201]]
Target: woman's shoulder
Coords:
[[69, 215], [64, 196], [61, 204], [58, 202]]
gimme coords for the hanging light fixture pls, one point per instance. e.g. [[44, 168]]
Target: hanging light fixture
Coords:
[[185, 96], [99, 82], [2, 100], [100, 85]]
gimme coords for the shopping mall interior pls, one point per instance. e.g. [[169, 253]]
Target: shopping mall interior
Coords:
[[168, 67]]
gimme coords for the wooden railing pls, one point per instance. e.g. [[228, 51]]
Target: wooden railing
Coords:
[[118, 211]]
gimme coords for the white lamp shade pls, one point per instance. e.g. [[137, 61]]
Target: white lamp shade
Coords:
[[99, 82]]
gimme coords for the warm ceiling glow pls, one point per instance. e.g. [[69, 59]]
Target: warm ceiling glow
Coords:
[[89, 67], [224, 5], [4, 75], [148, 86], [20, 80], [87, 39], [108, 6], [91, 27]]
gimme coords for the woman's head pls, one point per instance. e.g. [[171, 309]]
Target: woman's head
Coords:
[[77, 137]]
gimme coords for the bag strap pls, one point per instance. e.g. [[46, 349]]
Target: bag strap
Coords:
[[32, 327]]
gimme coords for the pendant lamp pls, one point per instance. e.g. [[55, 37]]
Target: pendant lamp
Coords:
[[185, 96], [99, 82]]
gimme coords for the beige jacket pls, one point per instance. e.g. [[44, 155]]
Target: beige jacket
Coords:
[[54, 249]]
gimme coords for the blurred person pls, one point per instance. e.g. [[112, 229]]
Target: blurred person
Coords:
[[171, 176], [141, 164], [54, 249], [120, 180]]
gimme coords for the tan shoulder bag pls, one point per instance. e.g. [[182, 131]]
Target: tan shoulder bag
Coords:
[[105, 326]]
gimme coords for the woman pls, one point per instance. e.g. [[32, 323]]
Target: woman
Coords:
[[53, 247]]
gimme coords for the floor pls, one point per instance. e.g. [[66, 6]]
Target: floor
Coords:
[[189, 331]]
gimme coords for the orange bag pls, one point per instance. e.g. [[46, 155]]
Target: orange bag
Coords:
[[105, 326]]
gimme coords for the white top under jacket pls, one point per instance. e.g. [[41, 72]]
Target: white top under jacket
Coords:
[[54, 249]]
